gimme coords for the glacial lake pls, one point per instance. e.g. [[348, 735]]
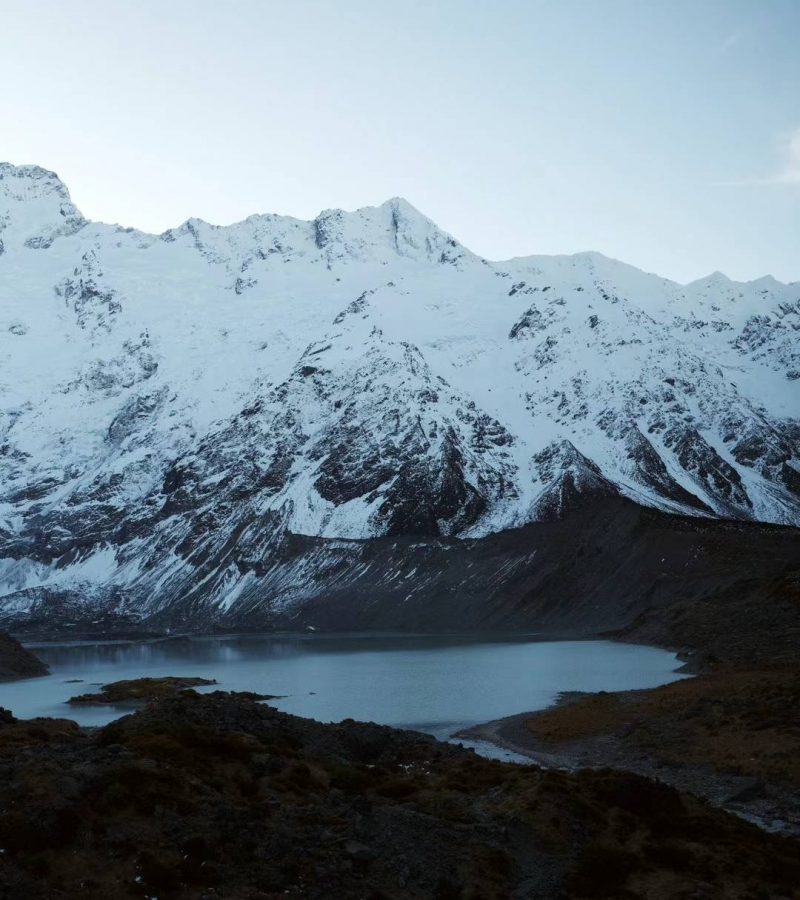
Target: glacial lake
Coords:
[[437, 684]]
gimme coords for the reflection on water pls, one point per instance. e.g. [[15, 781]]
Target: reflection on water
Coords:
[[433, 683]]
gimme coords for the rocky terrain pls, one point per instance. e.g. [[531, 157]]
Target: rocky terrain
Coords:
[[16, 661], [218, 796], [223, 426]]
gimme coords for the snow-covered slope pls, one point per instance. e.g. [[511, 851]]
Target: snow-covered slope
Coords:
[[173, 406]]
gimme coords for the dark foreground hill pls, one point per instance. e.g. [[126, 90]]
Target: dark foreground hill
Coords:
[[218, 796]]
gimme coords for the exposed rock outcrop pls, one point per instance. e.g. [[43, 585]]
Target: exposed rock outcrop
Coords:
[[17, 662]]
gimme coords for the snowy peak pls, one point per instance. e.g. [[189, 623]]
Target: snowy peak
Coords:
[[374, 235], [395, 227], [35, 207], [20, 184]]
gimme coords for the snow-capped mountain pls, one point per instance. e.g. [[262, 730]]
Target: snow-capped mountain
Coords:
[[176, 409]]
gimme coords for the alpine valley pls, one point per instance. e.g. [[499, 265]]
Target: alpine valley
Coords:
[[357, 422]]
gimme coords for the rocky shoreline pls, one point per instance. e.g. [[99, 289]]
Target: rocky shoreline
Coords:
[[730, 734]]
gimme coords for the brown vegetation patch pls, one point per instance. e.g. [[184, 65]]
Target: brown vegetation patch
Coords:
[[745, 723]]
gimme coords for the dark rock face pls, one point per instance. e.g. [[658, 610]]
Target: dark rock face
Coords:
[[651, 471], [217, 795], [772, 451], [16, 661], [423, 495], [710, 470], [572, 482], [532, 322], [84, 295]]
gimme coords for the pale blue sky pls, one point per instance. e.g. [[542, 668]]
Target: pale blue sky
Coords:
[[662, 132]]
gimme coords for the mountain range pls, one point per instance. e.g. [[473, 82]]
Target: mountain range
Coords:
[[355, 420]]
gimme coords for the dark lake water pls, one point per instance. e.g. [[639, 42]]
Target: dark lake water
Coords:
[[431, 683]]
